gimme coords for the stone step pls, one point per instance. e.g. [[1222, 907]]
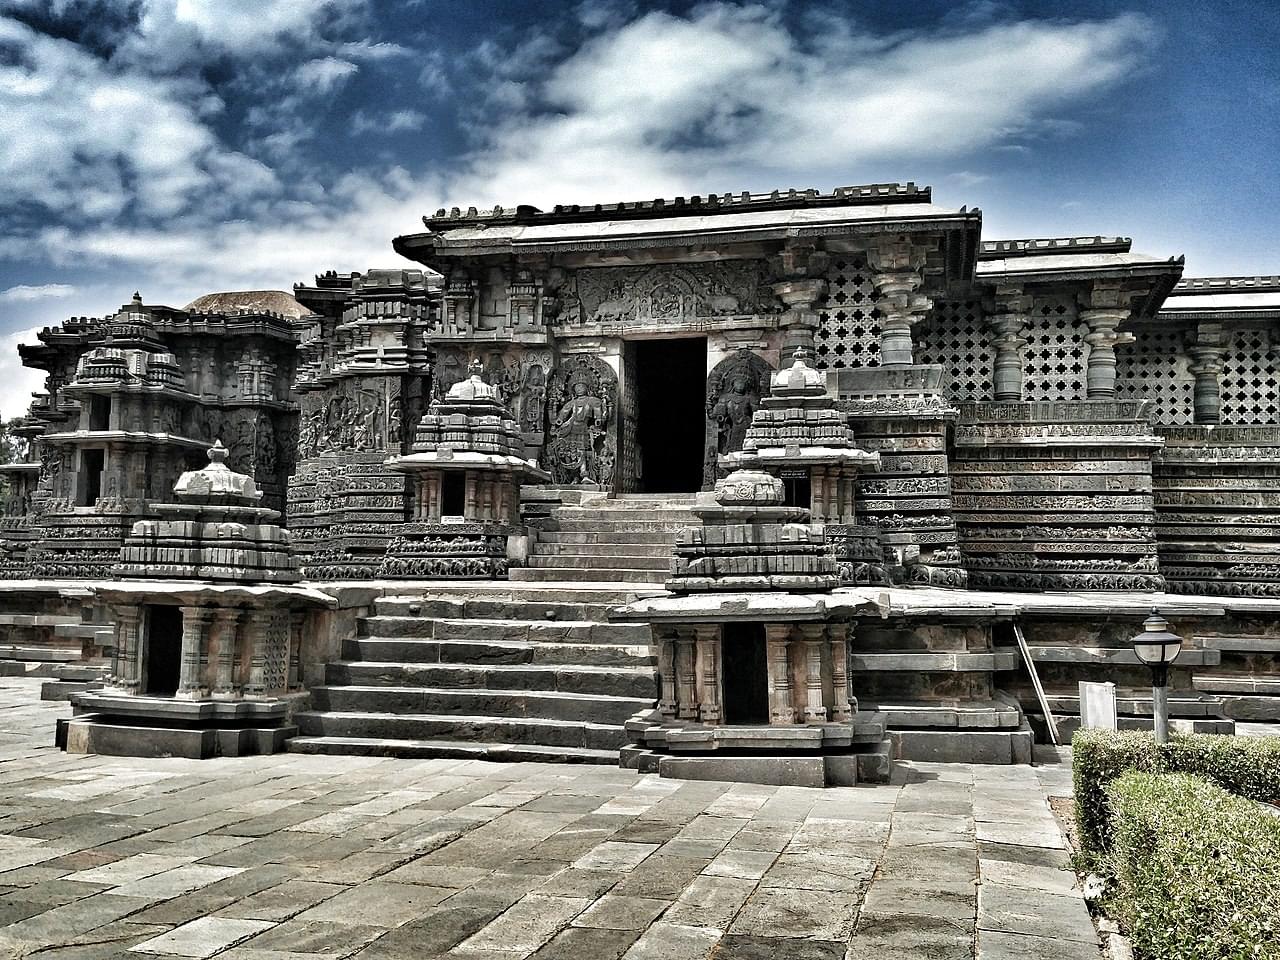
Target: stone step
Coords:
[[39, 652], [372, 650], [609, 525], [484, 729], [507, 704], [656, 538], [563, 574], [610, 681], [534, 608], [541, 631], [616, 561], [605, 549], [685, 516], [448, 749]]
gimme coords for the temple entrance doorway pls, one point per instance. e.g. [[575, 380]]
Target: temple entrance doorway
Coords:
[[670, 383], [745, 680], [164, 650]]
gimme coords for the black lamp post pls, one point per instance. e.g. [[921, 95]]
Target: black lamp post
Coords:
[[1157, 647]]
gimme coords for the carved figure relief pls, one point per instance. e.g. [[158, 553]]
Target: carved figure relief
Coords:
[[581, 401], [734, 389], [672, 292]]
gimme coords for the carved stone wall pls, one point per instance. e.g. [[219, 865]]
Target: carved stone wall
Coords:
[[671, 293], [1251, 377], [344, 505], [1055, 356], [582, 419], [957, 339], [899, 413], [1154, 367], [1056, 495], [1217, 497], [848, 332], [735, 387]]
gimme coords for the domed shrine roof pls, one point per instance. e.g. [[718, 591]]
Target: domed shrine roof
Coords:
[[248, 301]]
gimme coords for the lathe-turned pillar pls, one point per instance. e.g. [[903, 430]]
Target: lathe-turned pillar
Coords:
[[898, 264]]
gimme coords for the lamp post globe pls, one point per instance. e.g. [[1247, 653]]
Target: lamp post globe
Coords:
[[1157, 647]]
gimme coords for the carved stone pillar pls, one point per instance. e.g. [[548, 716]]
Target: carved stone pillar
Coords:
[[667, 670], [709, 695], [1008, 322], [222, 650], [124, 663], [800, 267], [838, 643], [193, 631], [1206, 366], [1105, 308], [256, 630], [778, 647], [813, 636], [686, 677], [898, 264], [297, 625]]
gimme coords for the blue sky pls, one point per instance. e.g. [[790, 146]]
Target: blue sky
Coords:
[[185, 146]]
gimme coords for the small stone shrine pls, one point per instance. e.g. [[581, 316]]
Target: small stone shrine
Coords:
[[466, 468], [207, 657], [752, 695], [799, 436]]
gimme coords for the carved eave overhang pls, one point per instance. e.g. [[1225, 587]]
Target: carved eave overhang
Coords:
[[1005, 263], [690, 228], [1224, 299], [271, 325], [464, 460], [102, 437]]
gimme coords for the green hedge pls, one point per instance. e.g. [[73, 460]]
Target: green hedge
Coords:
[[1247, 766], [1196, 870]]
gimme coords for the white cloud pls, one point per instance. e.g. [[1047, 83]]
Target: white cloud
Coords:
[[23, 293], [625, 116], [86, 140], [324, 73], [172, 32], [397, 121], [628, 117], [17, 382]]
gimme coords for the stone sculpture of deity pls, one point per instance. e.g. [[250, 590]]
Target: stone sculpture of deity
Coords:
[[732, 414], [577, 427]]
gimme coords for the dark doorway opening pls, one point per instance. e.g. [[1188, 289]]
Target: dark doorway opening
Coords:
[[164, 651], [671, 430], [99, 413], [91, 464], [745, 673], [453, 494], [796, 488]]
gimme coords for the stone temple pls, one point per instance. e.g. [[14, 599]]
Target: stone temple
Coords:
[[779, 487]]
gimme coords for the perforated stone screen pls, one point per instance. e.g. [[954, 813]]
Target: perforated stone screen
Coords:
[[848, 324], [954, 337], [1251, 378], [1154, 367], [1054, 358]]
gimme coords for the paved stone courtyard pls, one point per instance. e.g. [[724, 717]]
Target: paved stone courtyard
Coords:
[[297, 857]]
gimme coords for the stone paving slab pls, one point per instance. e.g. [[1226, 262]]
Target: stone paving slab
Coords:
[[301, 857]]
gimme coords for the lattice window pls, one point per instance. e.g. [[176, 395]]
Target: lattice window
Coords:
[[1251, 378], [1154, 367], [956, 338], [1055, 355], [849, 324]]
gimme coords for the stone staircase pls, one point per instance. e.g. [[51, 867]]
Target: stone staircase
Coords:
[[504, 674], [626, 539]]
